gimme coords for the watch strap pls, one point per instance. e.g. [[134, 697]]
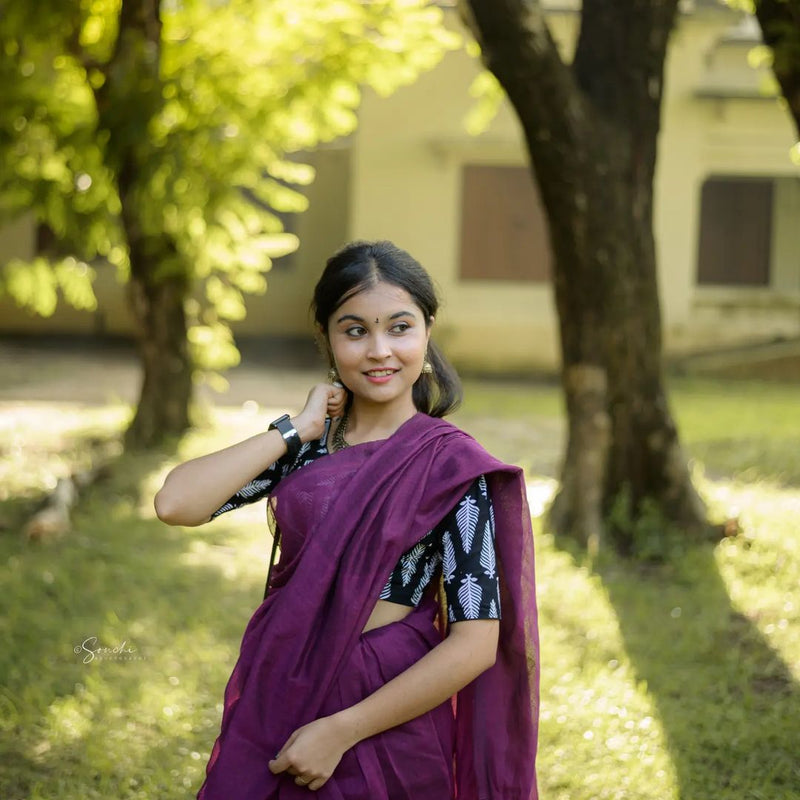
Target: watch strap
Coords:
[[289, 433]]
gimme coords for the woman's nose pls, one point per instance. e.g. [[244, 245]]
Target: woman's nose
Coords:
[[379, 347]]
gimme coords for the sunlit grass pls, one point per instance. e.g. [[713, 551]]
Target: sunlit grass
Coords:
[[749, 430], [665, 683], [600, 735]]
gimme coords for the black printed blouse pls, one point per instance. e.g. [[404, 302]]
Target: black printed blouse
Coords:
[[461, 545]]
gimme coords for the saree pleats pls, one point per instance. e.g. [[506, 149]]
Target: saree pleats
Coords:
[[410, 761]]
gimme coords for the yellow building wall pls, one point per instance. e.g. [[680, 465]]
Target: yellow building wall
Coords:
[[407, 162], [705, 133], [407, 165]]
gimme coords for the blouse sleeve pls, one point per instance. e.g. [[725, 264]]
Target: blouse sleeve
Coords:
[[266, 481], [469, 563]]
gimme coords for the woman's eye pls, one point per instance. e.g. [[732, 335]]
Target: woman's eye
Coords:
[[356, 330], [401, 327]]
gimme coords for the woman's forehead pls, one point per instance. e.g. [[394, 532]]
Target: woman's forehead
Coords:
[[380, 300]]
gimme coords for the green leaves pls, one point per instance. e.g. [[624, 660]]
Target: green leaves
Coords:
[[35, 285], [202, 127], [488, 94]]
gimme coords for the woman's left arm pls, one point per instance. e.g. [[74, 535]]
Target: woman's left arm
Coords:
[[313, 751], [470, 648]]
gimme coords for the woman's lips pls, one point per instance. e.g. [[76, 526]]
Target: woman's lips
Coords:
[[380, 375]]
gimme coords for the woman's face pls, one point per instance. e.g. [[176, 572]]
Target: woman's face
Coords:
[[378, 339]]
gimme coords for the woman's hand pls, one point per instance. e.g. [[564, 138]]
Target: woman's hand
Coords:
[[324, 400], [312, 753]]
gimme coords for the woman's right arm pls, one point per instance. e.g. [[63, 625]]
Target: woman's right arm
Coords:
[[192, 491]]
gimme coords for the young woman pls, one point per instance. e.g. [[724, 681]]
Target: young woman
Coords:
[[395, 656]]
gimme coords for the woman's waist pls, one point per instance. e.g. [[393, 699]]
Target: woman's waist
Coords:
[[421, 620], [385, 613]]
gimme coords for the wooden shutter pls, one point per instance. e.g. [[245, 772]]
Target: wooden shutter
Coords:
[[504, 232], [735, 232]]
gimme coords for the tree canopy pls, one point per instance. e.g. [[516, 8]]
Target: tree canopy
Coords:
[[237, 86], [154, 134]]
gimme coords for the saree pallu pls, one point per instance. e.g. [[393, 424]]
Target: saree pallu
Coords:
[[345, 521]]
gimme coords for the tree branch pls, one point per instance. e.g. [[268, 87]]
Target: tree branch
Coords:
[[620, 54], [518, 47], [780, 27]]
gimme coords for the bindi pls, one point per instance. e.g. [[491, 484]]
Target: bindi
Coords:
[[376, 320]]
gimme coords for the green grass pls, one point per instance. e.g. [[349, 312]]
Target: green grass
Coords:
[[679, 681], [748, 430]]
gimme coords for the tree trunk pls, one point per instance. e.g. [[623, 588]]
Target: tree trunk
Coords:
[[166, 389], [127, 102], [780, 28], [591, 133]]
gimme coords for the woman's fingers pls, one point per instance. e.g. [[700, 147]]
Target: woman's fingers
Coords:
[[336, 401], [309, 782], [338, 395], [310, 755]]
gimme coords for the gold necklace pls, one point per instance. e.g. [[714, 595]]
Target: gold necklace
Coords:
[[338, 442]]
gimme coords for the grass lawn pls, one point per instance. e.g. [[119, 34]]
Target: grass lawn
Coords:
[[678, 681]]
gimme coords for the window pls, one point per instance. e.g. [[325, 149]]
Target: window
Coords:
[[504, 234], [735, 232]]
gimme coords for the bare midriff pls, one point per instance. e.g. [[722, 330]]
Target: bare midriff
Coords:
[[386, 612]]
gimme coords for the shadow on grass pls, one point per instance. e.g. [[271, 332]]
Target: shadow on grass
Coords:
[[135, 723], [729, 707]]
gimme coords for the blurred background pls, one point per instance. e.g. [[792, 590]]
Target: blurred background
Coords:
[[610, 213]]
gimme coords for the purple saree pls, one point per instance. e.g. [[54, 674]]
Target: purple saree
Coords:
[[345, 519]]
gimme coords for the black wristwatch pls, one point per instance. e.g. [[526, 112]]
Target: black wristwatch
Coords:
[[290, 435]]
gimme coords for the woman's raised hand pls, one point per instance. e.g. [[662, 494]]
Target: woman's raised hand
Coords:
[[324, 400]]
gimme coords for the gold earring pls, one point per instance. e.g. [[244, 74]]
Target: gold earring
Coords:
[[427, 369], [333, 375]]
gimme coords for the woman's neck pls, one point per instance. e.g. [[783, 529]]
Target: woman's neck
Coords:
[[367, 422]]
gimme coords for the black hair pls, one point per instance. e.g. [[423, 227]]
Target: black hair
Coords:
[[359, 266]]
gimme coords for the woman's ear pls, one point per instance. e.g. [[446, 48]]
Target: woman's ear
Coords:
[[323, 345]]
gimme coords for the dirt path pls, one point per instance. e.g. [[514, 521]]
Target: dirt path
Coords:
[[39, 373], [99, 375]]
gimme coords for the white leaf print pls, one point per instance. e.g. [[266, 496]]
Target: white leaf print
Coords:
[[451, 615], [467, 519], [386, 592], [487, 551], [409, 562], [482, 486], [470, 595], [255, 487], [223, 509], [493, 610], [417, 596], [491, 517], [425, 579], [449, 557]]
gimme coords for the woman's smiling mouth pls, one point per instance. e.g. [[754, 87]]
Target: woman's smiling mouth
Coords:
[[380, 375]]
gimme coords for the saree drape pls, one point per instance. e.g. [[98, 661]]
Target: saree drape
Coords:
[[345, 520]]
